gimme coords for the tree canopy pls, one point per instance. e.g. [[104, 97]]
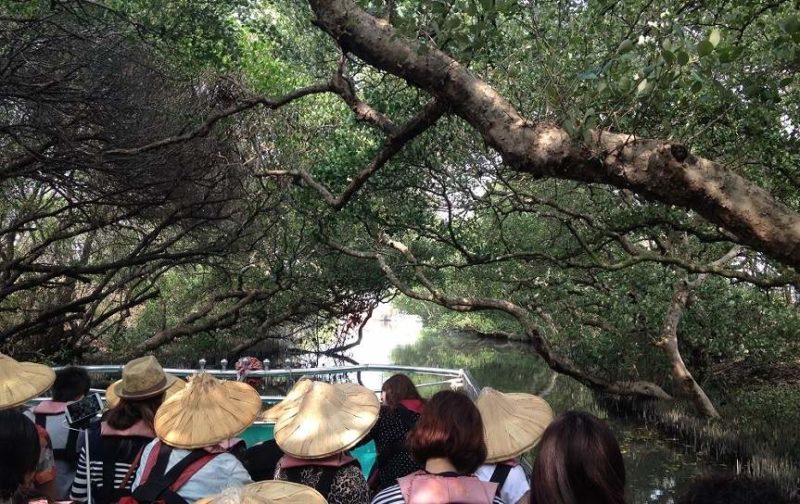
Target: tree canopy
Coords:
[[617, 183]]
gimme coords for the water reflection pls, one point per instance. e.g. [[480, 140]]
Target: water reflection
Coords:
[[657, 470]]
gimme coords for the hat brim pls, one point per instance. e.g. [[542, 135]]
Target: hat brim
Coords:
[[30, 382], [206, 412], [513, 423], [116, 388], [320, 425], [275, 492]]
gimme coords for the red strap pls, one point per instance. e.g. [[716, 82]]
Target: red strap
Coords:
[[185, 476]]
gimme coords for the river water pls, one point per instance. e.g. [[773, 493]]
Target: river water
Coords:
[[658, 469]]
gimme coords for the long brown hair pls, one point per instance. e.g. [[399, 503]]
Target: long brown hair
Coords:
[[451, 428], [579, 462], [125, 414], [399, 388]]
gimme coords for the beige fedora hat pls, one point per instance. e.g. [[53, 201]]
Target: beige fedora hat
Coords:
[[206, 412], [267, 492], [112, 399], [22, 381], [512, 423], [142, 378], [326, 419]]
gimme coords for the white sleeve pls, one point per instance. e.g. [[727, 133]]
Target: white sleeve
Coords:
[[515, 486], [143, 462]]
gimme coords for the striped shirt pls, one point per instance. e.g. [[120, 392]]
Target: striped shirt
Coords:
[[393, 495], [123, 450]]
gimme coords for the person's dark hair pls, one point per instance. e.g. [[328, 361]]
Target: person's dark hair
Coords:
[[127, 412], [399, 388], [451, 428], [579, 462], [72, 383], [19, 445], [732, 490]]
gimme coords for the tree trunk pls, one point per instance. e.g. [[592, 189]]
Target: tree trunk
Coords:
[[655, 169], [669, 344]]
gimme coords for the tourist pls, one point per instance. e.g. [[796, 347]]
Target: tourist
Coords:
[[579, 462], [267, 492], [448, 440], [72, 384], [19, 444], [401, 408], [189, 460], [513, 424], [124, 430], [732, 490], [316, 429], [19, 383]]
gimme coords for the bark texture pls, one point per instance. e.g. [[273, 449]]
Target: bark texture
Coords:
[[669, 344], [655, 169]]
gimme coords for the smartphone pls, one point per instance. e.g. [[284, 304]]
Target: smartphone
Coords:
[[80, 412]]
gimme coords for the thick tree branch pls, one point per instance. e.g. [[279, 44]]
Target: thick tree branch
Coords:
[[655, 169]]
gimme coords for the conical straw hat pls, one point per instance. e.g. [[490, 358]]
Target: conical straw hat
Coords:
[[268, 492], [143, 378], [300, 388], [512, 423], [22, 381], [327, 419], [112, 399], [206, 412]]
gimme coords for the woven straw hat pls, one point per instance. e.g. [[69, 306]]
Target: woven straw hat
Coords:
[[206, 412], [300, 388], [22, 381], [325, 420], [268, 492], [142, 378], [112, 399], [512, 423]]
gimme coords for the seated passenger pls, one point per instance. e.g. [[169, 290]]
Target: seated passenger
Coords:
[[267, 492], [19, 383], [579, 461], [122, 433], [513, 424], [189, 460], [401, 408], [316, 428], [72, 384], [19, 445], [448, 440], [732, 490]]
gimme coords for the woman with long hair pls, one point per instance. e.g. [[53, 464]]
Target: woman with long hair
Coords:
[[122, 433], [400, 409], [448, 441], [579, 462], [19, 445]]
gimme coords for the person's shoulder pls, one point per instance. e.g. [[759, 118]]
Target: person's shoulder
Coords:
[[390, 495]]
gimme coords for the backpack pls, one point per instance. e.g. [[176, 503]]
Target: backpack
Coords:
[[160, 485]]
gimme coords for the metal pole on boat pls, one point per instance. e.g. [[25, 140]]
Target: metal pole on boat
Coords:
[[202, 363], [224, 364], [88, 467]]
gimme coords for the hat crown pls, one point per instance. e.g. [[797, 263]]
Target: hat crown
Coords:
[[142, 375], [22, 381], [512, 422]]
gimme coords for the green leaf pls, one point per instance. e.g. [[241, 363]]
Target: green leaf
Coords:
[[715, 37], [666, 44], [642, 87], [785, 82], [697, 86], [704, 48], [683, 58], [668, 56]]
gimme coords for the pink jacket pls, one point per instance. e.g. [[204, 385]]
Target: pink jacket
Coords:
[[424, 488]]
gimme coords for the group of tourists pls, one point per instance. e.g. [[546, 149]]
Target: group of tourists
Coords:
[[163, 440]]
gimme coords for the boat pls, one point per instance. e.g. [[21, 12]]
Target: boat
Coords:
[[370, 375]]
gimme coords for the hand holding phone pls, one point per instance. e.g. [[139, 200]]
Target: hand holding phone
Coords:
[[79, 413]]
